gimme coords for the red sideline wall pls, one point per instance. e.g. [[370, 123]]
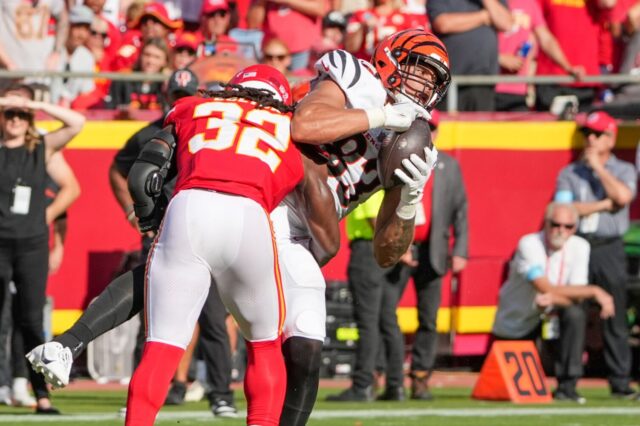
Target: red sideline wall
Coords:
[[509, 171]]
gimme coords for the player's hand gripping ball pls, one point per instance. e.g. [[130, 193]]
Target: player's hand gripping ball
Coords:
[[399, 146]]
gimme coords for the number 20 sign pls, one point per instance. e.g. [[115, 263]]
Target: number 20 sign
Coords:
[[512, 372]]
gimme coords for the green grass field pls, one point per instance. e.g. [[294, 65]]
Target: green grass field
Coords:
[[452, 407]]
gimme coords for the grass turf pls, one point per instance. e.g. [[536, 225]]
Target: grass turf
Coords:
[[452, 407]]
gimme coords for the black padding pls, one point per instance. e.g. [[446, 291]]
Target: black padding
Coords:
[[153, 157], [166, 136]]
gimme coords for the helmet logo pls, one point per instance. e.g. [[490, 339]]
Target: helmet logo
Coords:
[[391, 56], [183, 78], [283, 93]]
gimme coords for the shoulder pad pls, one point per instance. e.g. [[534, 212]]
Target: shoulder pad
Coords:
[[357, 78]]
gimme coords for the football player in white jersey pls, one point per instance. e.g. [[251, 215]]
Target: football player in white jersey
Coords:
[[350, 102], [351, 105]]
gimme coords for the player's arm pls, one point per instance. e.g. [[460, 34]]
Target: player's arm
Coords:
[[393, 234], [119, 189], [56, 252], [314, 8], [322, 117], [62, 174], [147, 177], [315, 197], [395, 221]]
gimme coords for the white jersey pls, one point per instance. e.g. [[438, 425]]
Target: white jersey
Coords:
[[353, 177], [352, 162]]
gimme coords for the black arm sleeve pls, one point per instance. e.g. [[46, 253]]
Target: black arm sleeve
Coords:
[[147, 177]]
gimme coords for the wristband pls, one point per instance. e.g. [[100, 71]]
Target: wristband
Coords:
[[376, 117], [406, 211], [129, 212]]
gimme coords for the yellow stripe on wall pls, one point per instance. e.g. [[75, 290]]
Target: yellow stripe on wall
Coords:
[[508, 135], [473, 319], [504, 135], [531, 136], [99, 134], [470, 319], [63, 319], [463, 319], [408, 319]]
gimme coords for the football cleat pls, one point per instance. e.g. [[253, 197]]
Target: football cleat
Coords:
[[53, 361], [20, 396], [195, 392], [223, 408]]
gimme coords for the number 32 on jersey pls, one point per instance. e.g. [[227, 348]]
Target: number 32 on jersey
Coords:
[[243, 130]]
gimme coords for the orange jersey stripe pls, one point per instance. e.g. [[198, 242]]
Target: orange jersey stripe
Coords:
[[276, 269], [146, 277]]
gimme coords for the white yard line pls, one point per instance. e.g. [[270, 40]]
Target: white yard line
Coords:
[[358, 414]]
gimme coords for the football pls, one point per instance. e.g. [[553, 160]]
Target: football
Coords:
[[397, 146]]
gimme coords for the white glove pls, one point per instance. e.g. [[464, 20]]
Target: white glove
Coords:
[[422, 112], [397, 117], [413, 187]]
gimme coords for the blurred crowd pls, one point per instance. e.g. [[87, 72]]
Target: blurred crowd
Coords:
[[215, 38]]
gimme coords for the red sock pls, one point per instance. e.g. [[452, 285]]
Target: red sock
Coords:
[[150, 382], [265, 382]]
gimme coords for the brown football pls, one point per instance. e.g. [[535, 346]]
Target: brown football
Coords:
[[397, 146]]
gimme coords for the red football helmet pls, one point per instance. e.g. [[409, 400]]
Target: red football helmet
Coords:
[[265, 77], [398, 57]]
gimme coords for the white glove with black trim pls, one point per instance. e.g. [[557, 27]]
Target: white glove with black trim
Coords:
[[414, 182], [397, 117]]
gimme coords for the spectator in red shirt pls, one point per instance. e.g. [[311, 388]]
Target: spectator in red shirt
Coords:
[[114, 37], [576, 26], [367, 27], [153, 59], [214, 26], [296, 22], [613, 33], [184, 52], [153, 22], [518, 47]]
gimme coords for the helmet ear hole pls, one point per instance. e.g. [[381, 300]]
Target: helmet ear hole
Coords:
[[394, 80]]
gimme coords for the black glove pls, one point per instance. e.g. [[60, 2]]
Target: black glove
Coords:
[[152, 221]]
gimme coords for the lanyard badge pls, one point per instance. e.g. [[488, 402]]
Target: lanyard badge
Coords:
[[21, 199]]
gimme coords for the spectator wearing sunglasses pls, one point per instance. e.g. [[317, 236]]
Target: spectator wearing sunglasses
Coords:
[[215, 24], [543, 294], [152, 23], [276, 54], [24, 217], [183, 53], [297, 22], [111, 35], [75, 57], [601, 188]]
